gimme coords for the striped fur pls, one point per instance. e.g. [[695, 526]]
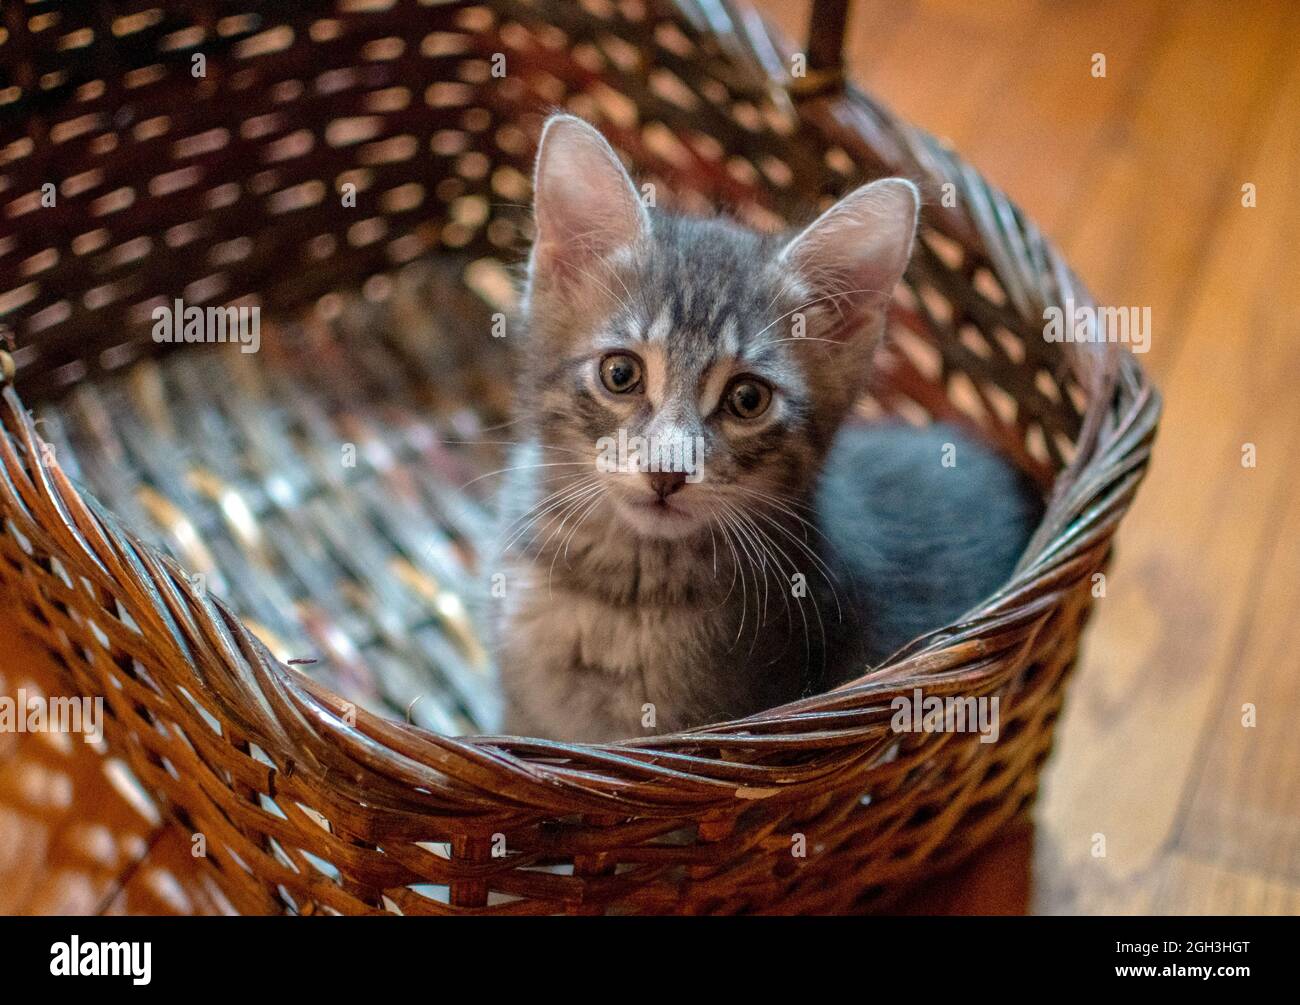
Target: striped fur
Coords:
[[623, 615]]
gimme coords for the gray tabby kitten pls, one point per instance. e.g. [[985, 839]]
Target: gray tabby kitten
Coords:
[[690, 534]]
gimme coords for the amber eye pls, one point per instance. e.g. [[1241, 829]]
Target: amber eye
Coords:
[[620, 373], [748, 398]]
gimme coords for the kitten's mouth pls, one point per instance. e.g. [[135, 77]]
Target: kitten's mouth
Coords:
[[656, 517], [663, 507]]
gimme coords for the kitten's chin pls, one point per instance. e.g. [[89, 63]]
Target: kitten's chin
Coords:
[[665, 521]]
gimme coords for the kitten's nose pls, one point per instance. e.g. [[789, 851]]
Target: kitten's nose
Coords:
[[665, 483]]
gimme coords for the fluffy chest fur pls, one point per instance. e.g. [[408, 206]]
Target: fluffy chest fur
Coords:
[[603, 635]]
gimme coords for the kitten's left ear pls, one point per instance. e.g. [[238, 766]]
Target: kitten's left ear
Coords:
[[584, 202], [857, 250]]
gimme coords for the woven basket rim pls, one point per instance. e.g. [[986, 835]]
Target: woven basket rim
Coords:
[[300, 723]]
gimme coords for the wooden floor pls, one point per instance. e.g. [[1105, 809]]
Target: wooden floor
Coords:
[[1139, 177]]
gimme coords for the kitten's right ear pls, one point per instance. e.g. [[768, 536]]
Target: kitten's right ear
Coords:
[[856, 251], [584, 202]]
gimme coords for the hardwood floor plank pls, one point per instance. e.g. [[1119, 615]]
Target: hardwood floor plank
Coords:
[[168, 880], [1244, 806], [1192, 886], [66, 836], [1044, 126], [1147, 221], [1191, 557]]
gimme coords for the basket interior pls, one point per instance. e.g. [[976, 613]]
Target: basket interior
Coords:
[[329, 487], [334, 488]]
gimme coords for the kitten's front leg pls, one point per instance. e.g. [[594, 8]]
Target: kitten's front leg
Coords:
[[560, 677]]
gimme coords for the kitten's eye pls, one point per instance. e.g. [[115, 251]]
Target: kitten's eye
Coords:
[[748, 398], [620, 372]]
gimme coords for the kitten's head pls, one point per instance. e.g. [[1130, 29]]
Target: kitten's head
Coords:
[[723, 358]]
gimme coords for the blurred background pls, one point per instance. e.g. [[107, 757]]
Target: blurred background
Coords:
[[1170, 182]]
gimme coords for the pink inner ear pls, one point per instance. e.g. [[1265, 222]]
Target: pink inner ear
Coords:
[[857, 250], [585, 203]]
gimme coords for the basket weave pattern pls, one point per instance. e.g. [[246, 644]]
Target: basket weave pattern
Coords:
[[226, 186]]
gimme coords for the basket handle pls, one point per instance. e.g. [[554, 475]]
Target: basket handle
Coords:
[[827, 23]]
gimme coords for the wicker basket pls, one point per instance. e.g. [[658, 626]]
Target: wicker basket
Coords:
[[181, 527]]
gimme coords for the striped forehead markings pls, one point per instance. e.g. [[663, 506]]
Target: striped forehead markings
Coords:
[[656, 375], [661, 326], [724, 330], [729, 337]]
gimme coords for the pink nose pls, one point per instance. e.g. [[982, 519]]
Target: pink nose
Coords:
[[665, 483]]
